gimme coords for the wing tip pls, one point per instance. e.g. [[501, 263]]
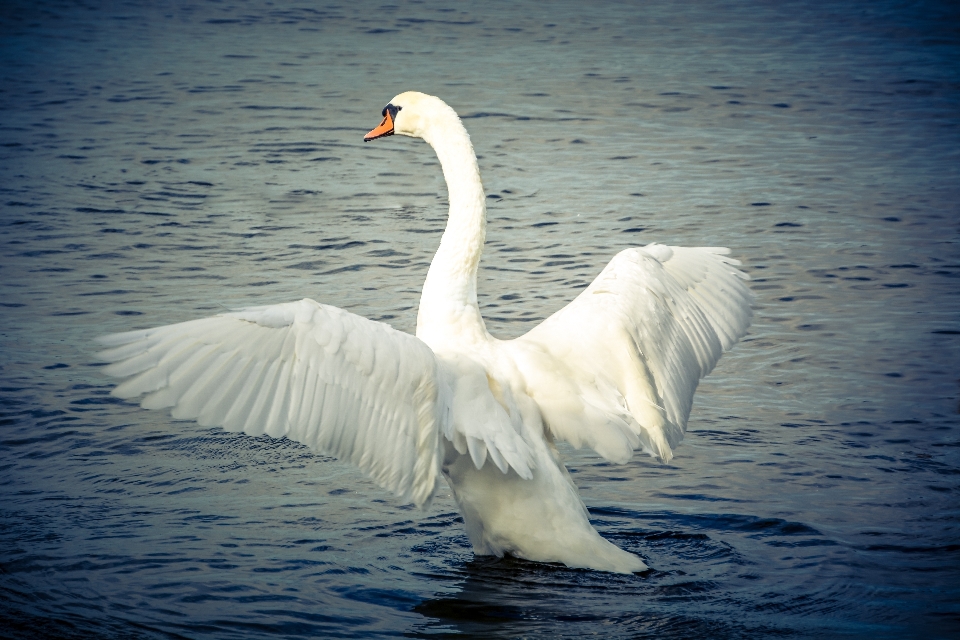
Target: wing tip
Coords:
[[111, 340]]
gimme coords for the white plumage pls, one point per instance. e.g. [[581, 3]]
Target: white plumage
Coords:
[[615, 370]]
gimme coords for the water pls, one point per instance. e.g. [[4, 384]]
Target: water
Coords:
[[164, 161]]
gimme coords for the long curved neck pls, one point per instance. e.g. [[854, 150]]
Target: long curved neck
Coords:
[[448, 304]]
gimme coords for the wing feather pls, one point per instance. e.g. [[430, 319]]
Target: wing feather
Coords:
[[221, 396], [617, 368], [343, 385]]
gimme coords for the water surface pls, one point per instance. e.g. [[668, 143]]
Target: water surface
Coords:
[[166, 161]]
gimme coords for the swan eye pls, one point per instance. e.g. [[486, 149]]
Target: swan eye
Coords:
[[393, 111]]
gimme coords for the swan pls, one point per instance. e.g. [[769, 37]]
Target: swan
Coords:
[[615, 370]]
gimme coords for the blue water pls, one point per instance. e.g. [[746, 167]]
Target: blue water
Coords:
[[162, 161]]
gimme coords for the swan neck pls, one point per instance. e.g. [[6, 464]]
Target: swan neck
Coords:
[[450, 292]]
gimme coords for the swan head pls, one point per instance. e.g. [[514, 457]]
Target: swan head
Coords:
[[412, 114]]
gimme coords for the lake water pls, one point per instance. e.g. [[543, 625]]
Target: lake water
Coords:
[[165, 161]]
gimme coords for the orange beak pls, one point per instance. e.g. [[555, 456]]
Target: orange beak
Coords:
[[385, 129]]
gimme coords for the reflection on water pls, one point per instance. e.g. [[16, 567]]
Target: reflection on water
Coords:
[[165, 162]]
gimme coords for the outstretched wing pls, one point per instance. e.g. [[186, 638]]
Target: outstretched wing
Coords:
[[617, 368], [338, 383]]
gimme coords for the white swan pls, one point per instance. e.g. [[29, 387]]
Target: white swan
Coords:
[[614, 370]]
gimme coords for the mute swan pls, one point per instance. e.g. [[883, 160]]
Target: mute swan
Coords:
[[614, 370]]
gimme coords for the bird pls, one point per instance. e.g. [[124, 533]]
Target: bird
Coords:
[[615, 370]]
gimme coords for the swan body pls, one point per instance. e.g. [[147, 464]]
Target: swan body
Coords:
[[615, 370]]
